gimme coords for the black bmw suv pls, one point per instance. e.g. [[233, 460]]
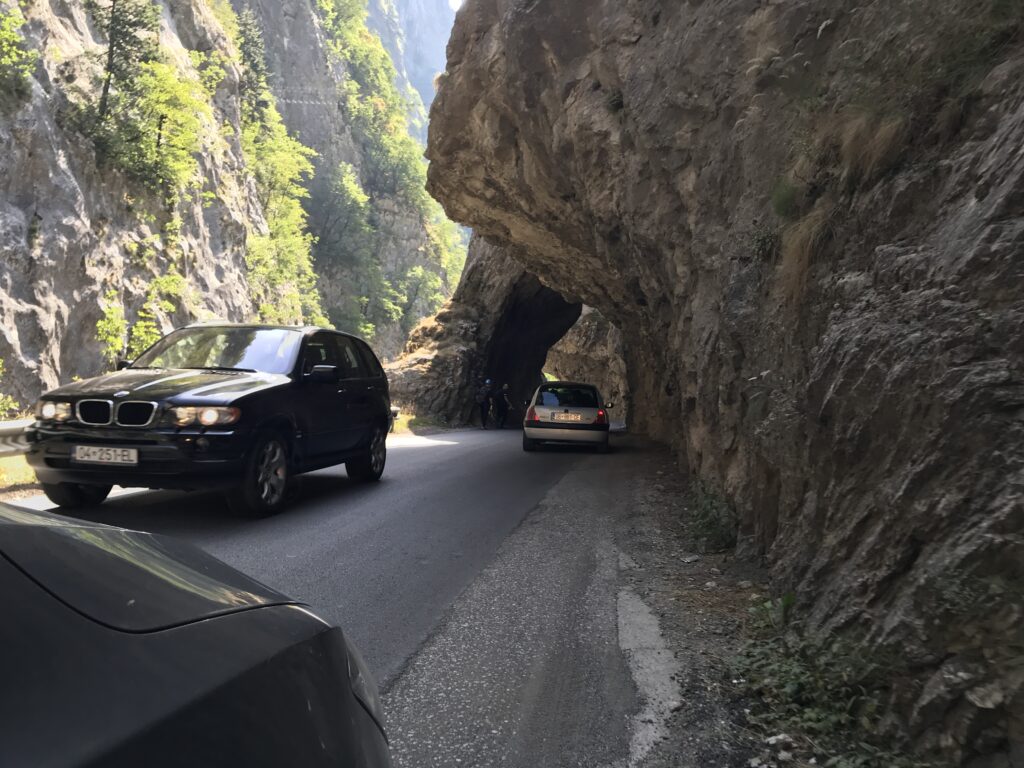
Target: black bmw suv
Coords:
[[238, 407]]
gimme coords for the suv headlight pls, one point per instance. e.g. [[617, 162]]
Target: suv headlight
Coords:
[[207, 416], [53, 410]]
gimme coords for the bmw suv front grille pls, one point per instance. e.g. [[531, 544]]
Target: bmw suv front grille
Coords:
[[95, 413], [135, 414]]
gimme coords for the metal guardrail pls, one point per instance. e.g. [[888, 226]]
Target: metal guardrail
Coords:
[[12, 437]]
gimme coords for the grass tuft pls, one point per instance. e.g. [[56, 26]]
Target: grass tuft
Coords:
[[800, 244], [869, 146]]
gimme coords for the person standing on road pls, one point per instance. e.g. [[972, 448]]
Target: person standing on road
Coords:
[[484, 395], [502, 405]]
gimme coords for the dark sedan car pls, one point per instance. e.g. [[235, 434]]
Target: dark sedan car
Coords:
[[239, 407], [128, 649]]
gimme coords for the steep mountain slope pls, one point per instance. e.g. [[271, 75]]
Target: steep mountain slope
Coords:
[[383, 249], [807, 220]]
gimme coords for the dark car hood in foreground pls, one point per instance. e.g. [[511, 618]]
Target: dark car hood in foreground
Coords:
[[126, 580], [160, 384]]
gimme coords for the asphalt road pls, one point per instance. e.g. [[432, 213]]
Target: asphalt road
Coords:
[[384, 561], [484, 586]]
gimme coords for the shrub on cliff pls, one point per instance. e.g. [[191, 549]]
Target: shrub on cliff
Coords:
[[8, 405], [16, 60]]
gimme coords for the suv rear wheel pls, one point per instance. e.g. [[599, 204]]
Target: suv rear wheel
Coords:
[[369, 467], [264, 487], [74, 496]]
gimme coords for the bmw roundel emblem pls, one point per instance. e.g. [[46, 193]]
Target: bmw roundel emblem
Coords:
[[122, 393]]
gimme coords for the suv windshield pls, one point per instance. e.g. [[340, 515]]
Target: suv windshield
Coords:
[[269, 350], [569, 397]]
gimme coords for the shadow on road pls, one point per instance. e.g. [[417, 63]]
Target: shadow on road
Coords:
[[187, 514]]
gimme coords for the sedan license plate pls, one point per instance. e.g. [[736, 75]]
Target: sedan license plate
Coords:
[[100, 454], [573, 417]]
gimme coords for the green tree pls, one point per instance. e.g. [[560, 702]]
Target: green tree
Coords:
[[16, 60], [132, 28], [253, 86], [167, 110]]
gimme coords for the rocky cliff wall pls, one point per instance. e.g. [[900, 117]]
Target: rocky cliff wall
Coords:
[[71, 231], [807, 219], [592, 351]]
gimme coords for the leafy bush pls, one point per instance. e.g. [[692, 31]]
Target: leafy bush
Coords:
[[712, 521], [16, 60], [112, 329], [146, 330], [8, 405], [830, 691]]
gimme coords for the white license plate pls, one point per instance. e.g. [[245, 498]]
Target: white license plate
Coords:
[[99, 454], [576, 417]]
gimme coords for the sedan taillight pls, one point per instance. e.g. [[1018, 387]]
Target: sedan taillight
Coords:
[[531, 414], [602, 416]]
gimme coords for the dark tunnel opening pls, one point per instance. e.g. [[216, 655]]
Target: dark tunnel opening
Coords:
[[535, 319]]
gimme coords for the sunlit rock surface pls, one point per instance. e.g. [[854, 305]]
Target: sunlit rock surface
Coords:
[[807, 220]]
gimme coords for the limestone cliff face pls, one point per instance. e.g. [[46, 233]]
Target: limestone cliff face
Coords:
[[70, 232], [592, 351], [807, 219]]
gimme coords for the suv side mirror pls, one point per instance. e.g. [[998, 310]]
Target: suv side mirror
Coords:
[[122, 364], [327, 373]]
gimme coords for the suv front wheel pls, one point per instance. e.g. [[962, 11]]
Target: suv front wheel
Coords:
[[265, 484]]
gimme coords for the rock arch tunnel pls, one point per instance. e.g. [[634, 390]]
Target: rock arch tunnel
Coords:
[[504, 324]]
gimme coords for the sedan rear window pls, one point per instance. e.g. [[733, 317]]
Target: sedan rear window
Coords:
[[569, 397], [268, 350]]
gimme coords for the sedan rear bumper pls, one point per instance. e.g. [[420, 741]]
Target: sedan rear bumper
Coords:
[[583, 433]]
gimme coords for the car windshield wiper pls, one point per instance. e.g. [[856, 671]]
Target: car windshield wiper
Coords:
[[227, 368]]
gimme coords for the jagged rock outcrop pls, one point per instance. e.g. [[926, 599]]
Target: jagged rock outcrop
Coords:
[[499, 324], [71, 231], [807, 219], [592, 351]]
